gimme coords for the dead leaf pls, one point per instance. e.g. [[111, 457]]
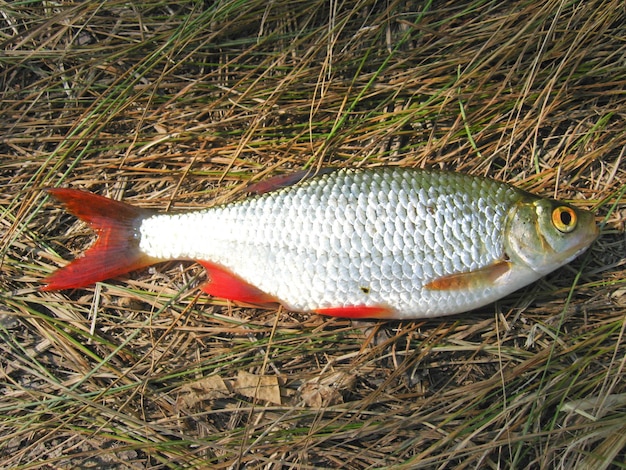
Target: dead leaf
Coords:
[[262, 387], [325, 391], [316, 395], [619, 296], [209, 388]]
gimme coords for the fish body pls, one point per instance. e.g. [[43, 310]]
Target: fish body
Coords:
[[379, 243]]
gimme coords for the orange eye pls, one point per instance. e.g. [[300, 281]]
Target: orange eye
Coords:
[[564, 219]]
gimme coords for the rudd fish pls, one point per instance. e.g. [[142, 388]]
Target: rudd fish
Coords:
[[377, 243]]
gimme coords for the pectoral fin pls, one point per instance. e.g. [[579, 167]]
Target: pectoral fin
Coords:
[[473, 279]]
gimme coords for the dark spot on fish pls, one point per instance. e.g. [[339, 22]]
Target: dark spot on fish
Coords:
[[365, 289]]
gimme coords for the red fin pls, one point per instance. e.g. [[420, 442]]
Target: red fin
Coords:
[[358, 311], [476, 279], [283, 181], [222, 283], [116, 250]]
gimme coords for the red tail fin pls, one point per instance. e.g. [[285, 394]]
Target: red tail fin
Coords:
[[116, 250]]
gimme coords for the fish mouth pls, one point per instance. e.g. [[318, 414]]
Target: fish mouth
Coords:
[[585, 241], [583, 246], [577, 253]]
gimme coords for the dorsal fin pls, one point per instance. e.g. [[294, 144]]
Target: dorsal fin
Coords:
[[284, 181]]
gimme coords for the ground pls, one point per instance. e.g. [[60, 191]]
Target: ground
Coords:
[[180, 105]]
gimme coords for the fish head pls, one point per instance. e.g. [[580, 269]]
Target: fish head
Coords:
[[544, 234]]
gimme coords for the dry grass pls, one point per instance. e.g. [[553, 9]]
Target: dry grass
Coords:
[[176, 105]]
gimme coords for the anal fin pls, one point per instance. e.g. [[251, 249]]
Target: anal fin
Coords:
[[474, 279], [227, 285]]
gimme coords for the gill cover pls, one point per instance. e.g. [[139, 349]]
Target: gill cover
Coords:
[[545, 234]]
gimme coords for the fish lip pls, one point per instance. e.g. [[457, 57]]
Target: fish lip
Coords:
[[586, 243], [578, 252], [583, 247]]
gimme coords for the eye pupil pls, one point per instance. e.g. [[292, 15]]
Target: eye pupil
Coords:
[[566, 218]]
